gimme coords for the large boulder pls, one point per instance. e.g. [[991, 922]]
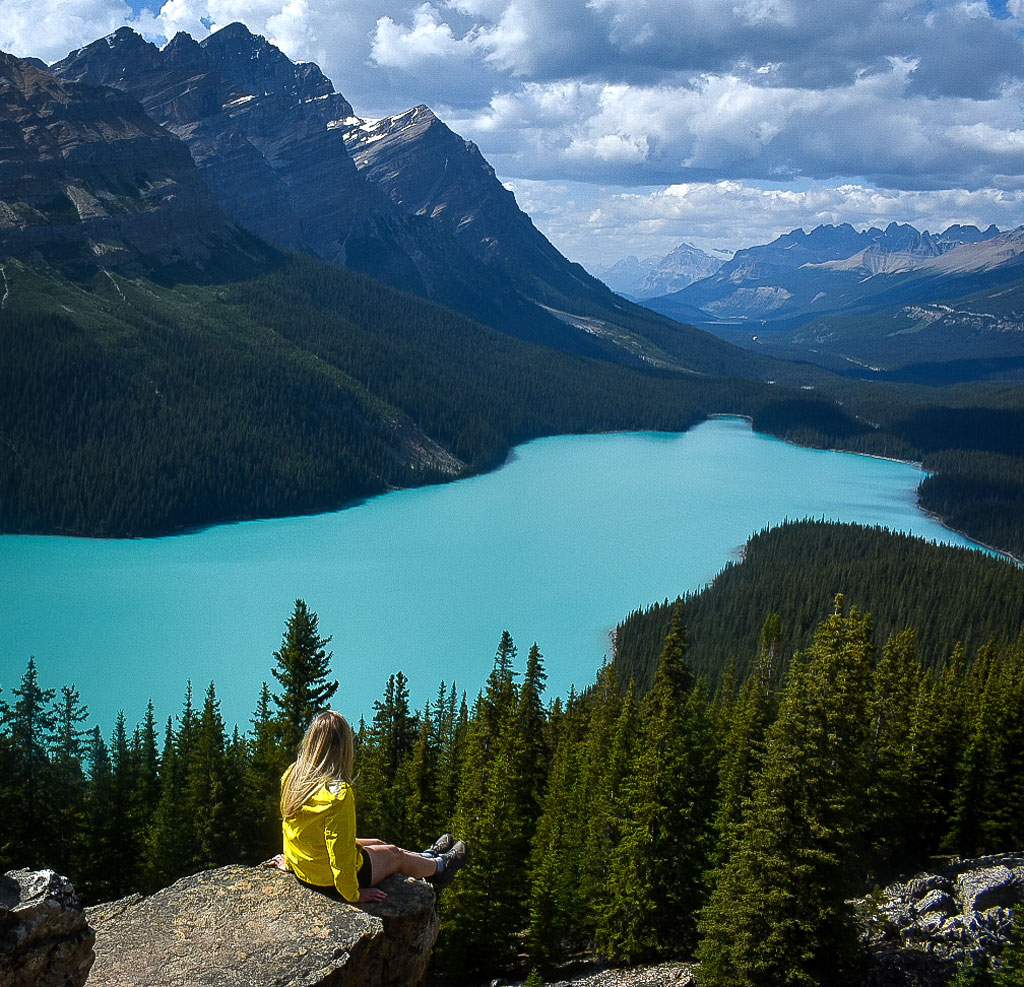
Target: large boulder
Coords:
[[256, 926], [916, 932], [45, 940]]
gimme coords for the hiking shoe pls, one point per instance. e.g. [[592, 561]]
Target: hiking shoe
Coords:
[[453, 860], [442, 845]]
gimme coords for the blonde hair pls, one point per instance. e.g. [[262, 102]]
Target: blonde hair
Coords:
[[325, 755]]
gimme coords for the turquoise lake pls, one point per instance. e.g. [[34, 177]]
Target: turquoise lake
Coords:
[[557, 546]]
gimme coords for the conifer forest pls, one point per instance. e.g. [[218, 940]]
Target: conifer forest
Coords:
[[727, 809]]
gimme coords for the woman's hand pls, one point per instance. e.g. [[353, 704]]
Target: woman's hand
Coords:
[[371, 894]]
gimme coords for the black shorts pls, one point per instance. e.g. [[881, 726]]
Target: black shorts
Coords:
[[364, 879], [365, 876]]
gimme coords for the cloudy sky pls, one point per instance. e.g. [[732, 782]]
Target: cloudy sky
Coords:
[[629, 126]]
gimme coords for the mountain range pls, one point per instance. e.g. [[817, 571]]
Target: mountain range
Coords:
[[402, 199], [893, 301], [191, 335], [652, 278], [186, 340]]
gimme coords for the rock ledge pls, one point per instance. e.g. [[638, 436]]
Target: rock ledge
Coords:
[[258, 927]]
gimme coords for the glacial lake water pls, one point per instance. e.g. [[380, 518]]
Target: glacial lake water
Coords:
[[557, 546]]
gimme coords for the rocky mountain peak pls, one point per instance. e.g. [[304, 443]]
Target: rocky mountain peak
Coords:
[[117, 56], [87, 179], [250, 60]]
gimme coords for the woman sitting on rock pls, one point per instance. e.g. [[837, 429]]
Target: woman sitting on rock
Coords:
[[318, 814]]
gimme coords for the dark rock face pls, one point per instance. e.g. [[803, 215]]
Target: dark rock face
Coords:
[[427, 170], [44, 938], [87, 178], [918, 931], [404, 200], [258, 927]]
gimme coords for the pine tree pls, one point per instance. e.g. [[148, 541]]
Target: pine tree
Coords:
[[68, 752], [96, 876], [778, 914], [658, 866], [268, 760], [146, 794], [988, 803], [423, 818], [612, 741], [303, 670], [207, 796], [558, 909], [170, 846], [489, 898], [384, 751], [122, 834], [1010, 968], [893, 806], [29, 722]]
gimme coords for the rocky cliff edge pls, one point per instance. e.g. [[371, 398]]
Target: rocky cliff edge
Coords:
[[258, 927]]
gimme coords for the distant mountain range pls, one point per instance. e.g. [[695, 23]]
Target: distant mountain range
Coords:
[[896, 302], [403, 199], [651, 278]]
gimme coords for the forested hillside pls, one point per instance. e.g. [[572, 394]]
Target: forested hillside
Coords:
[[970, 436], [949, 595], [626, 823], [133, 408]]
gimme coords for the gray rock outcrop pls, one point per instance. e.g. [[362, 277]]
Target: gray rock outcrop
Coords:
[[88, 180], [916, 932], [258, 927], [45, 940]]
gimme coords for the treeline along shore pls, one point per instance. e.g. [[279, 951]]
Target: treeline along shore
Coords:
[[759, 788], [132, 407]]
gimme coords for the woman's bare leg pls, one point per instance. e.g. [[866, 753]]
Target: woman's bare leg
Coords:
[[387, 860]]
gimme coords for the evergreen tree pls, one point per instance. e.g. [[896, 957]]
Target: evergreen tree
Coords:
[[96, 878], [268, 760], [612, 741], [384, 751], [530, 728], [68, 752], [170, 846], [303, 671], [122, 833], [778, 914], [489, 898], [1010, 968], [451, 730], [939, 740], [208, 799], [29, 722], [146, 794], [558, 908], [893, 806], [423, 818], [657, 869], [988, 803]]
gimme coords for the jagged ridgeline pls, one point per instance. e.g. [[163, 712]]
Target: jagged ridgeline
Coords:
[[949, 595]]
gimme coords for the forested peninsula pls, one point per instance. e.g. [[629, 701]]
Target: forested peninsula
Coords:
[[764, 778]]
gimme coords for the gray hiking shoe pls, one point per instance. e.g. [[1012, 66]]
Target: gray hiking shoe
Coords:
[[441, 845], [453, 860]]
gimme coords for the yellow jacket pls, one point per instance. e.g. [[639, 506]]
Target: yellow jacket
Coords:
[[320, 840]]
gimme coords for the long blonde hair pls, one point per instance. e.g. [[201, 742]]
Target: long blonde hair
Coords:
[[325, 755]]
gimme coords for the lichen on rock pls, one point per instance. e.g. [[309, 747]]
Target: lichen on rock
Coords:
[[258, 927]]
